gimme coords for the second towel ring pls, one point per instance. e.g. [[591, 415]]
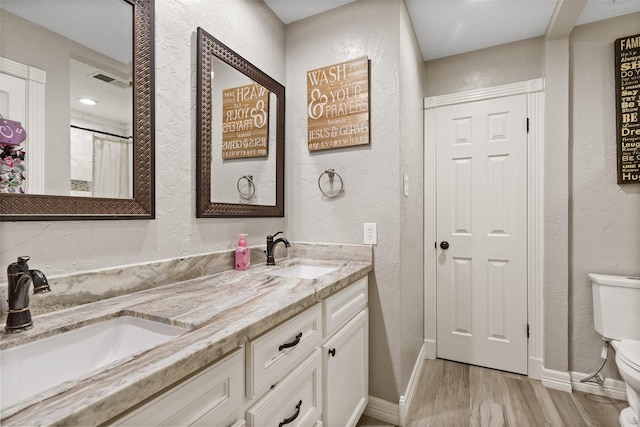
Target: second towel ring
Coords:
[[252, 187], [331, 173]]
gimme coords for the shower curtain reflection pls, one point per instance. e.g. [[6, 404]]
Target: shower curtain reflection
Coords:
[[112, 167]]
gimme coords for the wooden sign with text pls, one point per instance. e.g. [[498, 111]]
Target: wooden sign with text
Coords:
[[627, 100], [245, 122], [338, 105]]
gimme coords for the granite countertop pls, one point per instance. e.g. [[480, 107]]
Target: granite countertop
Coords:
[[221, 312]]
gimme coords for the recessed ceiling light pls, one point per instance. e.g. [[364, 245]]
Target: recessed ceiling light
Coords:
[[87, 101]]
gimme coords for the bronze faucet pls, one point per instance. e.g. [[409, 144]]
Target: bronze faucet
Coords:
[[271, 247], [19, 276]]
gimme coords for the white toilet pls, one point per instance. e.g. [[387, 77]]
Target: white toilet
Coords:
[[616, 313]]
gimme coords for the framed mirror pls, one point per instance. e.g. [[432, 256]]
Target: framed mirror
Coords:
[[240, 136], [99, 48]]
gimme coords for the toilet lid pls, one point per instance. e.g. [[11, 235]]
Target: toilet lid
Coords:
[[630, 351]]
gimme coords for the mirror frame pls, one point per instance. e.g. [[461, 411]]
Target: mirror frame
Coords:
[[39, 207], [209, 46]]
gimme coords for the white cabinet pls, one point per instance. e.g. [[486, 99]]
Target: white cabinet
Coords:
[[345, 355], [271, 356], [342, 306], [209, 398], [296, 401], [311, 370], [345, 363], [331, 386]]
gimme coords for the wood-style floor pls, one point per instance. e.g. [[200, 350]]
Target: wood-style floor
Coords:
[[454, 394]]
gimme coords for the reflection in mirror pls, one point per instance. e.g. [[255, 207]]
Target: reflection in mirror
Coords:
[[90, 124], [85, 49], [101, 145], [240, 135], [244, 122]]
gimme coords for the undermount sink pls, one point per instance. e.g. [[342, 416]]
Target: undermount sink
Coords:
[[37, 366], [304, 271]]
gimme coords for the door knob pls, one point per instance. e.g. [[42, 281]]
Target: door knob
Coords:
[[444, 245]]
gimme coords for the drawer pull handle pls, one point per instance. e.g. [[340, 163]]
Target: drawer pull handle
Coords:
[[332, 352], [292, 343], [293, 417]]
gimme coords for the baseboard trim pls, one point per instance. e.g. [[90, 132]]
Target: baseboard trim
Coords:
[[570, 381], [383, 410], [615, 389], [534, 368], [556, 380], [407, 398], [430, 349]]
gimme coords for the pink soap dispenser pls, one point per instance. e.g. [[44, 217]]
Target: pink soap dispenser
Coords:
[[243, 254]]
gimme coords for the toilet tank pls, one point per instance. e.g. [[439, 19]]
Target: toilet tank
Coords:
[[616, 306]]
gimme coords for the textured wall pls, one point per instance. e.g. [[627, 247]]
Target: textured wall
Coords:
[[372, 173], [604, 216], [494, 66], [591, 223], [556, 205], [60, 247], [411, 206]]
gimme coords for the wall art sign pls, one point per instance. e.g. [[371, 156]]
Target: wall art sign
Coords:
[[627, 110], [11, 132], [245, 122], [338, 105]]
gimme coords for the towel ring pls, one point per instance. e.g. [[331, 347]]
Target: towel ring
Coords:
[[331, 173], [252, 187]]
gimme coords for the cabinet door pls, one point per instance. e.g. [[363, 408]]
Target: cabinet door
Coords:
[[208, 398], [345, 358]]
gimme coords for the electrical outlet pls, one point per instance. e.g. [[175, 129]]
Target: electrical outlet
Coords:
[[370, 233]]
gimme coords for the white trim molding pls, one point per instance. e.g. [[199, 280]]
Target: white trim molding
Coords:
[[615, 389], [36, 80], [529, 86], [535, 210], [430, 349], [535, 225], [570, 381], [383, 410], [430, 235], [556, 380], [407, 398]]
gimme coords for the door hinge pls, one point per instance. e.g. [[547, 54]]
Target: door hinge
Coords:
[[527, 330], [527, 124]]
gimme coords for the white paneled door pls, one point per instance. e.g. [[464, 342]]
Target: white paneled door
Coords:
[[13, 104], [482, 233]]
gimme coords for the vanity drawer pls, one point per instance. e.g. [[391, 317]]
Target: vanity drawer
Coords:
[[341, 307], [208, 398], [297, 399], [272, 355]]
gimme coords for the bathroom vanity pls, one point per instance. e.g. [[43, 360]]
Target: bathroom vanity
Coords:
[[292, 363], [273, 344]]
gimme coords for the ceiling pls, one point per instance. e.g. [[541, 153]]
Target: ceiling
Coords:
[[104, 26], [449, 27]]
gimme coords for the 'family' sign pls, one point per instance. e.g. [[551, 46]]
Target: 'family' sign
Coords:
[[338, 105], [627, 109]]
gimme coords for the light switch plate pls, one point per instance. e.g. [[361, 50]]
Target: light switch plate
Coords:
[[406, 184], [370, 233]]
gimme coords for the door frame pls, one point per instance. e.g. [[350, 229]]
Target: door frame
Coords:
[[534, 89], [36, 80]]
